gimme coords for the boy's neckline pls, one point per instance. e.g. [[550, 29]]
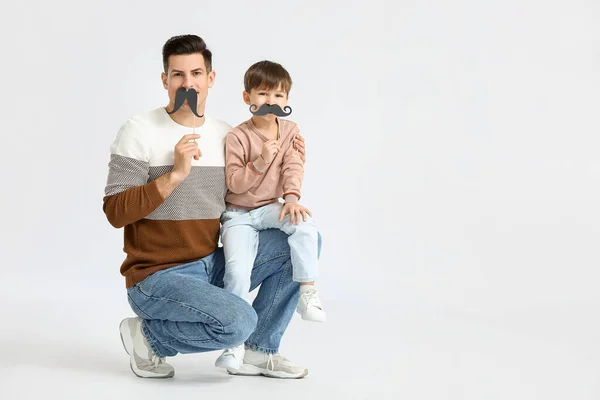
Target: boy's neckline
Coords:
[[263, 137]]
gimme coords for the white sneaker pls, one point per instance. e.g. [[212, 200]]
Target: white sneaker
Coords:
[[271, 365], [143, 361], [309, 306], [232, 359]]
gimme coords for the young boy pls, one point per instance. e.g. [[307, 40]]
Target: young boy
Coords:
[[262, 166]]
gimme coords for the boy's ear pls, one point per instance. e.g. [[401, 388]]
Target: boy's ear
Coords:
[[246, 97]]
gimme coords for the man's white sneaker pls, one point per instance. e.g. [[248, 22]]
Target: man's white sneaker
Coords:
[[143, 361], [309, 306], [232, 359], [272, 365]]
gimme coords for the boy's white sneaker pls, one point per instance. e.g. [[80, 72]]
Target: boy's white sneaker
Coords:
[[143, 361], [309, 305], [232, 359], [271, 365]]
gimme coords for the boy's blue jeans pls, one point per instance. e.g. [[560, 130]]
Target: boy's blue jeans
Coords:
[[185, 310], [239, 234]]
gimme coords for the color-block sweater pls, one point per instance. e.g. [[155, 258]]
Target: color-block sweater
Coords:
[[164, 232], [253, 183]]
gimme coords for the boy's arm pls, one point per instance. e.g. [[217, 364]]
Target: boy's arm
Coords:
[[292, 172], [128, 195], [239, 175]]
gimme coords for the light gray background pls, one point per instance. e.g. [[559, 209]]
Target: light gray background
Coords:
[[452, 168]]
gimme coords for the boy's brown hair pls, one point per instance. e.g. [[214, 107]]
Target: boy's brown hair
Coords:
[[267, 75]]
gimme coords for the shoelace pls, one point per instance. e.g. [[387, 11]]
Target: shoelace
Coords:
[[270, 363], [308, 298], [158, 360]]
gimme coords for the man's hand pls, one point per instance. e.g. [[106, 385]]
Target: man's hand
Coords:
[[184, 151], [299, 145], [296, 212], [270, 150]]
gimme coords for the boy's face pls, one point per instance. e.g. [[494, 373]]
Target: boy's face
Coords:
[[261, 96], [188, 71]]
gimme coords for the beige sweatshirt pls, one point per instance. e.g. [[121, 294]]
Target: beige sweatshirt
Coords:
[[251, 182]]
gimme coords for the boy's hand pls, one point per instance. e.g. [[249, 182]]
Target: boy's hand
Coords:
[[270, 150], [296, 212]]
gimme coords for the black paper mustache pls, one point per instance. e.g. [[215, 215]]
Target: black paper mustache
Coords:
[[190, 95], [271, 108]]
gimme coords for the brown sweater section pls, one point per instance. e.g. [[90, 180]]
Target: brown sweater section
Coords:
[[156, 245], [131, 205]]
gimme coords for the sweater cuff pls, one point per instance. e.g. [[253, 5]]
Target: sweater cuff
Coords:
[[291, 197], [260, 165], [153, 194]]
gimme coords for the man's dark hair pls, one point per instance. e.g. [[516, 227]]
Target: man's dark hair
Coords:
[[186, 44]]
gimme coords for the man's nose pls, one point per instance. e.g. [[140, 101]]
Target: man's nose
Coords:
[[187, 82]]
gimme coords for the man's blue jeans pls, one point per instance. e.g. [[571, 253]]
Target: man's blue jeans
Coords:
[[185, 310]]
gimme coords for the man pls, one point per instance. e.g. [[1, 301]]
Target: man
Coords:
[[167, 188]]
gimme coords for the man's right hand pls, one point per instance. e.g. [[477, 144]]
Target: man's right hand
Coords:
[[184, 151], [270, 150]]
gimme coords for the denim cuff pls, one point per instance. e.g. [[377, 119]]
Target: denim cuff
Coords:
[[150, 340], [261, 349]]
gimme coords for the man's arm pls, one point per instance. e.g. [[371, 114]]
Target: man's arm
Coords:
[[135, 203], [128, 195], [300, 146]]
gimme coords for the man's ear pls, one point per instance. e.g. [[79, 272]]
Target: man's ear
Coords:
[[163, 78], [211, 78], [246, 97]]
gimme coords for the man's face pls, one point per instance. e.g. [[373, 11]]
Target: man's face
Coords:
[[188, 71], [259, 97]]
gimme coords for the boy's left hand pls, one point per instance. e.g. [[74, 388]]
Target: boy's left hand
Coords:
[[296, 212]]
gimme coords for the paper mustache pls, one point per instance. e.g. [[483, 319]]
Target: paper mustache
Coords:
[[273, 109], [181, 96]]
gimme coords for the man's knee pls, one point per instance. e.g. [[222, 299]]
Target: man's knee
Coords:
[[243, 323]]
